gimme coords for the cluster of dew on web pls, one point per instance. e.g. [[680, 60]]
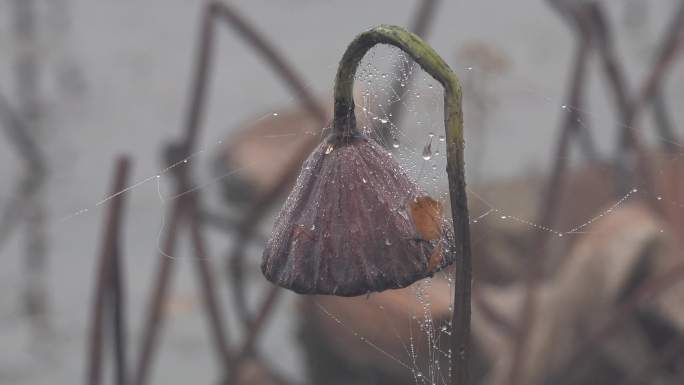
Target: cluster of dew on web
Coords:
[[387, 76]]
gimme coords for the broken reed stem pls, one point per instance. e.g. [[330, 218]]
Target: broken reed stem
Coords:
[[154, 317], [217, 323], [344, 127], [119, 332], [649, 92], [218, 11], [105, 289], [213, 12]]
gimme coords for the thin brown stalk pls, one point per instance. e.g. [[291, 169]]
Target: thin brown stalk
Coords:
[[105, 280], [628, 108], [120, 330], [204, 274], [154, 317], [272, 57]]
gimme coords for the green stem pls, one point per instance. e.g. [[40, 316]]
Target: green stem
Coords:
[[344, 125]]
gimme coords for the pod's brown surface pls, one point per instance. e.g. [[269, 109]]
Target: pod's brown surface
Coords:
[[355, 223]]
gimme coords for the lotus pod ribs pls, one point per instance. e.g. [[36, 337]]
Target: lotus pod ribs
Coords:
[[355, 223]]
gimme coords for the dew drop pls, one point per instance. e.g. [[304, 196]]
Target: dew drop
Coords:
[[395, 143], [659, 198], [564, 106], [275, 114], [313, 227], [441, 138], [328, 149], [383, 121], [388, 242], [364, 180]]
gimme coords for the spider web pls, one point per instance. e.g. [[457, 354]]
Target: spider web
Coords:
[[417, 143]]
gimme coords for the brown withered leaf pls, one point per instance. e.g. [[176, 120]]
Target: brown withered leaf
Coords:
[[355, 223], [427, 216]]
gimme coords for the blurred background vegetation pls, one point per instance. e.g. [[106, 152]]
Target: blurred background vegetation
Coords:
[[145, 149]]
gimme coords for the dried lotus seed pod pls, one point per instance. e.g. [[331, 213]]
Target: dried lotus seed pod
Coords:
[[355, 223]]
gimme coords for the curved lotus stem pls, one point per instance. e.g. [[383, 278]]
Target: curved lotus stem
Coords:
[[344, 126]]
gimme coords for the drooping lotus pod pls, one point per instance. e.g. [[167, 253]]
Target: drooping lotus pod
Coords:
[[355, 223]]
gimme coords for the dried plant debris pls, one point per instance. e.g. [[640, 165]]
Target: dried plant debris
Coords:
[[604, 268], [354, 224]]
